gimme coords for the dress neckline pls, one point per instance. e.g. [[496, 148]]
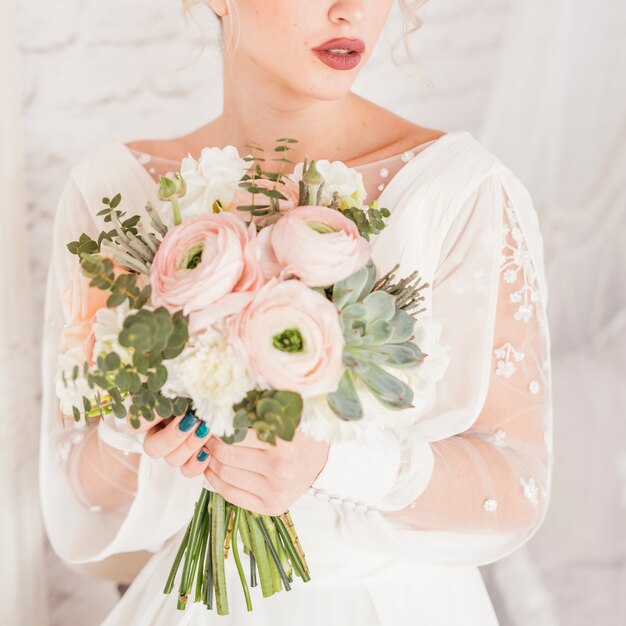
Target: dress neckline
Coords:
[[425, 148], [405, 155]]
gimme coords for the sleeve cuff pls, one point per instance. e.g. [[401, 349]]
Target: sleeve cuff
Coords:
[[362, 473]]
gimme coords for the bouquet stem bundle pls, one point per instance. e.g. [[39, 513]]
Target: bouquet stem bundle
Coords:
[[270, 542]]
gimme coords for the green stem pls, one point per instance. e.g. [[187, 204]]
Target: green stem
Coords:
[[295, 557], [217, 551], [207, 555], [208, 598], [191, 553], [235, 548], [277, 563], [169, 584], [260, 555], [204, 531], [176, 211], [253, 580]]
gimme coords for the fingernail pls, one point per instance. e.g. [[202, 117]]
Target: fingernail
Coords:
[[187, 422], [202, 455], [202, 430]]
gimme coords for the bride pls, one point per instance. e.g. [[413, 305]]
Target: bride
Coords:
[[395, 529]]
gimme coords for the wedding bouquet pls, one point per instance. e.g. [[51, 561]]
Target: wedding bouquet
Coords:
[[251, 300]]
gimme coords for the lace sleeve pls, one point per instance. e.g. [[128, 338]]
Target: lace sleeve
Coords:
[[469, 481], [495, 475]]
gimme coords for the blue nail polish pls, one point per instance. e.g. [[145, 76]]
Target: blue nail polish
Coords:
[[202, 455], [202, 430], [187, 422]]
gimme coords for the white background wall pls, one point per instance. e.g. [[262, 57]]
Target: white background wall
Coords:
[[95, 68]]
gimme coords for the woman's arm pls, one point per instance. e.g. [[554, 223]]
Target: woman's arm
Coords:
[[492, 476], [105, 477]]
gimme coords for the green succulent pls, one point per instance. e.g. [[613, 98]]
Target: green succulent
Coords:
[[377, 333]]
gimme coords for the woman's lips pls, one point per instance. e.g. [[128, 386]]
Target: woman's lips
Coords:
[[341, 61]]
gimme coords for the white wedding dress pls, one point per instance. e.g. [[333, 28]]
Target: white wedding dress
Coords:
[[476, 464]]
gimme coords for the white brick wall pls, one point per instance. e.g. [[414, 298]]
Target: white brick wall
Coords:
[[92, 68]]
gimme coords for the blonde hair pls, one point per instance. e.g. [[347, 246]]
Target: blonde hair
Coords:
[[411, 23]]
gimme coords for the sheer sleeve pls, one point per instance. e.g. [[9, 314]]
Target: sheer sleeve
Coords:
[[470, 479], [149, 509]]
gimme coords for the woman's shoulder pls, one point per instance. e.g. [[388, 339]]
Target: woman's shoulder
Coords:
[[106, 168]]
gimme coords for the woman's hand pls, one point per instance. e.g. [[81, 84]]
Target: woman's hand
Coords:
[[177, 440], [261, 477]]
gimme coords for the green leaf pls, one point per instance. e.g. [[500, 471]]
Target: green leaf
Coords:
[[112, 361], [137, 336], [115, 201], [115, 299], [379, 305], [345, 401], [119, 410], [164, 406], [141, 362], [387, 389], [180, 405], [355, 287], [290, 401]]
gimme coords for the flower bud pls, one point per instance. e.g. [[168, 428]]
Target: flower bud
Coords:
[[169, 187]]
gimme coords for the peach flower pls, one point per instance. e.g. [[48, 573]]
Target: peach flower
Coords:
[[318, 245], [81, 302], [208, 267], [291, 338]]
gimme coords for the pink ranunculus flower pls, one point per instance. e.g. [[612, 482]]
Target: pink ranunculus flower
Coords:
[[209, 267], [319, 245], [290, 337], [243, 197]]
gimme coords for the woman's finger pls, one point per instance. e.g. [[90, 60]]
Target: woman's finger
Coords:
[[233, 494], [159, 442], [190, 446], [252, 441], [241, 478], [196, 464], [238, 456], [144, 424]]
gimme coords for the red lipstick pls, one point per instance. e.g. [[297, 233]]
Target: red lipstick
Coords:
[[341, 53]]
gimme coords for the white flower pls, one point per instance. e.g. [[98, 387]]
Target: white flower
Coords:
[[215, 176], [72, 394], [107, 325], [338, 177], [209, 372]]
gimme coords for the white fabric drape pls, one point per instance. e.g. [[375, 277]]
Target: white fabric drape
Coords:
[[22, 585]]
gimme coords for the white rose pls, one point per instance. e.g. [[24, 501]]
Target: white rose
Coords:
[[107, 325], [215, 176], [338, 177]]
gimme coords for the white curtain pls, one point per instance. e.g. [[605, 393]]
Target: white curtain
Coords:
[[22, 585], [557, 116]]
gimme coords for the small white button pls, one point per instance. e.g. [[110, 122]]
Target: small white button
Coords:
[[360, 508], [335, 500], [321, 495], [349, 504], [384, 172], [371, 512]]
